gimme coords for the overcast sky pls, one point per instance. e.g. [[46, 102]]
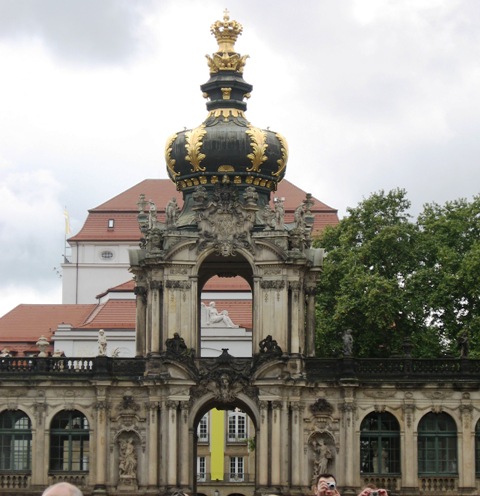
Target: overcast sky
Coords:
[[370, 94]]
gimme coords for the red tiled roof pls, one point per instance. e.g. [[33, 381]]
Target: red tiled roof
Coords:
[[113, 314], [123, 209], [26, 323], [126, 287], [216, 283]]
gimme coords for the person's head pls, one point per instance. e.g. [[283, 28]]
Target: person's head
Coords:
[[326, 485], [62, 489]]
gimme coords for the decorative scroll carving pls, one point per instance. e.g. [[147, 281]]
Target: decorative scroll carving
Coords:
[[225, 378], [321, 406], [224, 222]]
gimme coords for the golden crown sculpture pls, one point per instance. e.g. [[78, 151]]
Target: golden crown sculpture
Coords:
[[226, 33]]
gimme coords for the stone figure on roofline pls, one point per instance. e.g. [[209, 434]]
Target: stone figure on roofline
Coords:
[[171, 212], [102, 343], [347, 342]]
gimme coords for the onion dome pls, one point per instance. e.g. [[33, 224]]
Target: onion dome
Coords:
[[226, 148]]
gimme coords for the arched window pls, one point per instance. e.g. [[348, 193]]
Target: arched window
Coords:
[[380, 444], [437, 445], [15, 441], [69, 442]]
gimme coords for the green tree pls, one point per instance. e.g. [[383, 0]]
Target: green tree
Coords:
[[450, 273], [364, 285]]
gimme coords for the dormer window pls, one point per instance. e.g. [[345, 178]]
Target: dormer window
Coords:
[[111, 223]]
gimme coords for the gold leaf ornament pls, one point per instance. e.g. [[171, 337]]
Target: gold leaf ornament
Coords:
[[168, 158], [193, 146], [258, 142], [282, 162]]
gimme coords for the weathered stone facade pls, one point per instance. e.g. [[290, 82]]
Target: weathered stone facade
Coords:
[[129, 425]]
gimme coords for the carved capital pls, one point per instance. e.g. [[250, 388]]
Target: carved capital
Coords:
[[275, 285], [154, 285], [141, 292], [175, 284]]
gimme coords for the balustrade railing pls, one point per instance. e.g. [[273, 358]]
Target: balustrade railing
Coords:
[[15, 481], [438, 485], [316, 369]]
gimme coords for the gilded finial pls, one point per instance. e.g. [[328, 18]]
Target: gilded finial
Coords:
[[226, 33]]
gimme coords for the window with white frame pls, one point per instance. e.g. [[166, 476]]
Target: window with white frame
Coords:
[[236, 469], [237, 425], [202, 431], [201, 469]]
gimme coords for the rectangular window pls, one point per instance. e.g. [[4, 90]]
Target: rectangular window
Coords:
[[202, 431], [111, 223], [237, 426], [201, 469], [236, 469]]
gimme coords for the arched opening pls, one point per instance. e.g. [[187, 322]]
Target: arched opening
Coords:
[[15, 441], [224, 449], [380, 444], [225, 306], [69, 442], [437, 445]]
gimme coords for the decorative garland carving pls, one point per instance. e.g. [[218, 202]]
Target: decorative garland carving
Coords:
[[268, 284], [173, 284]]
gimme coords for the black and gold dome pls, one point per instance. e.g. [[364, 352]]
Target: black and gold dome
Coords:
[[226, 148]]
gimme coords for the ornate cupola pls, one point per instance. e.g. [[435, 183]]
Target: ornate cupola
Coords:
[[226, 148]]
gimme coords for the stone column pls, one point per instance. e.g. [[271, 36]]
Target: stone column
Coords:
[[184, 458], [284, 447], [257, 305], [262, 452], [408, 447], [348, 448], [164, 451], [140, 326], [298, 471], [172, 449], [152, 443], [101, 407], [40, 446], [156, 288], [310, 293], [276, 443], [466, 449], [296, 319]]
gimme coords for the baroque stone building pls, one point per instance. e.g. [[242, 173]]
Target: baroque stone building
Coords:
[[130, 425]]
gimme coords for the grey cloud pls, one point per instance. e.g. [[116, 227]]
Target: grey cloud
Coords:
[[90, 31]]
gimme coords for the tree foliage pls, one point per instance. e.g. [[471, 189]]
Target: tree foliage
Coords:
[[389, 278]]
